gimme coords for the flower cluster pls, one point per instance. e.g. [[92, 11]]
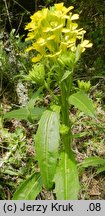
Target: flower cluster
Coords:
[[54, 31]]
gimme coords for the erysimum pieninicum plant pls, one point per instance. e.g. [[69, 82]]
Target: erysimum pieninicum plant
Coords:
[[56, 44]]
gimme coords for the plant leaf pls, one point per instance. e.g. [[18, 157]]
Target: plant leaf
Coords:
[[78, 135], [21, 113], [101, 169], [66, 74], [36, 96], [46, 145], [29, 189], [36, 113], [24, 113], [92, 161], [81, 101], [66, 179]]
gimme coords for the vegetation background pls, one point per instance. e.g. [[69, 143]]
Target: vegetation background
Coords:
[[17, 137]]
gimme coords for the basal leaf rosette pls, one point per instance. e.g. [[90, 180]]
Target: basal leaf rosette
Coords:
[[53, 32]]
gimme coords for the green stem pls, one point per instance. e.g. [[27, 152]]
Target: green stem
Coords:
[[66, 90], [65, 93]]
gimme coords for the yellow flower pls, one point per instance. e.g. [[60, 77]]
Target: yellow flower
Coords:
[[57, 27], [85, 44], [59, 6], [75, 17], [65, 30], [41, 41], [37, 58], [39, 49], [39, 15], [51, 37], [53, 31], [53, 55], [47, 29], [66, 10]]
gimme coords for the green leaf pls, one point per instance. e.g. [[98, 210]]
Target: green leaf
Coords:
[[35, 97], [101, 169], [29, 189], [36, 113], [66, 179], [55, 108], [92, 161], [78, 135], [81, 101], [28, 112], [24, 113], [46, 145], [21, 113], [66, 74]]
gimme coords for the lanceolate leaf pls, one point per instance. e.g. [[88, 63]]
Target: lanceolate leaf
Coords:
[[30, 188], [93, 161], [21, 113], [66, 179], [101, 169], [81, 101], [66, 74], [36, 96], [46, 145], [24, 113]]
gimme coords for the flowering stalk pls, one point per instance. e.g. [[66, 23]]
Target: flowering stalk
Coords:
[[54, 34]]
